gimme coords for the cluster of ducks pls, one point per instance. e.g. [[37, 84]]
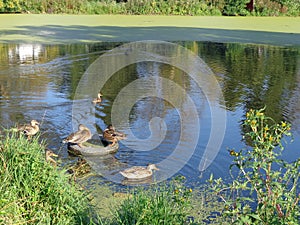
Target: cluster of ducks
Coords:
[[32, 129], [84, 134]]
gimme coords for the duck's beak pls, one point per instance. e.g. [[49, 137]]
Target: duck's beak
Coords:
[[54, 155]]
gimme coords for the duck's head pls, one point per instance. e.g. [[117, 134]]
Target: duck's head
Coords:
[[152, 167], [34, 123], [50, 153], [99, 95], [111, 127], [81, 127]]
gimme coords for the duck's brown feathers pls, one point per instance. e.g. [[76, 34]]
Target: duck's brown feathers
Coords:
[[29, 129], [98, 99], [109, 136], [82, 135], [139, 172], [48, 154]]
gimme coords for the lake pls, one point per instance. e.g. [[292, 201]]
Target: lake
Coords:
[[182, 104]]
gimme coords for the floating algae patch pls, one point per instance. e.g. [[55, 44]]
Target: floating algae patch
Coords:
[[66, 29], [206, 208], [103, 197]]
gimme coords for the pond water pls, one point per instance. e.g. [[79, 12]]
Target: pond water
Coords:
[[170, 117]]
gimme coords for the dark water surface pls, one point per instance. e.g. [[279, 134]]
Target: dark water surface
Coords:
[[40, 82]]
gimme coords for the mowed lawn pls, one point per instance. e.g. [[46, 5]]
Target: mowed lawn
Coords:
[[63, 29]]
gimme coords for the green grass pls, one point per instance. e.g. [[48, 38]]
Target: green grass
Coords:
[[158, 204], [34, 192]]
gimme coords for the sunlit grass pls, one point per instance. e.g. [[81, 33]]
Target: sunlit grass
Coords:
[[31, 190], [157, 204]]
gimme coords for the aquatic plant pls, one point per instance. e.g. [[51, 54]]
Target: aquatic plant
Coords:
[[265, 188]]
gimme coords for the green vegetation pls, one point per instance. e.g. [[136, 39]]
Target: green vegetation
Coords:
[[160, 204], [233, 7], [155, 7], [264, 190], [34, 192]]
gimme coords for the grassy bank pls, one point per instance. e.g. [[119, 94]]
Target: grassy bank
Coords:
[[65, 29], [34, 192], [264, 191]]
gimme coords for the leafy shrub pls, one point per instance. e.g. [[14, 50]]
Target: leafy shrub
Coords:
[[265, 189], [10, 6], [150, 7], [234, 8]]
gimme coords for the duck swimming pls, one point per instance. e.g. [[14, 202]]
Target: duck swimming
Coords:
[[111, 135], [139, 172], [82, 135], [29, 129], [98, 99]]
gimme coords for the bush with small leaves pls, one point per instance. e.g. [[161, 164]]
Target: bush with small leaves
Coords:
[[266, 188]]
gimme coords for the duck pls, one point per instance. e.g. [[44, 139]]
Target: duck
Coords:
[[139, 172], [29, 129], [79, 137], [48, 154], [98, 99], [111, 135], [117, 134]]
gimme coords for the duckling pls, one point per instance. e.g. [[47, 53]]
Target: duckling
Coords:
[[98, 99], [79, 137], [48, 154], [139, 172], [29, 129], [111, 135]]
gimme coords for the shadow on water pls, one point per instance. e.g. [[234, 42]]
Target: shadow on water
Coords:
[[69, 34], [39, 82]]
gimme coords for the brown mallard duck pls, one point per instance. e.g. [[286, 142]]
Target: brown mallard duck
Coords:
[[98, 99], [48, 154], [117, 134], [29, 129], [82, 135], [139, 172], [111, 135]]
